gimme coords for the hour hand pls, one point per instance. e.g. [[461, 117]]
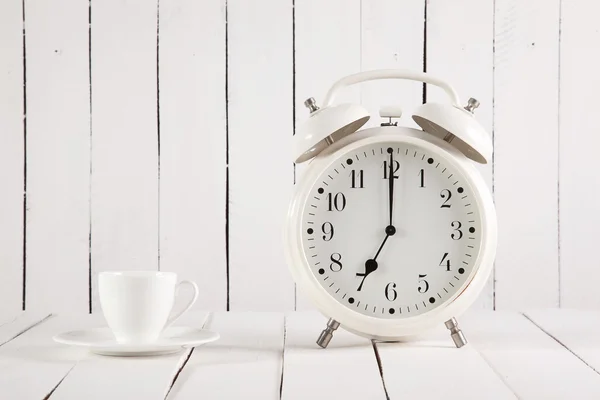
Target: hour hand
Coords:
[[370, 266]]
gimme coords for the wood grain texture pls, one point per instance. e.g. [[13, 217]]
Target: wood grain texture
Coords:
[[192, 146], [327, 48], [129, 377], [12, 151], [33, 364], [462, 53], [531, 363], [313, 373], [246, 362], [576, 330], [16, 325], [58, 156], [260, 71], [392, 36], [526, 105], [459, 373], [124, 137], [579, 185]]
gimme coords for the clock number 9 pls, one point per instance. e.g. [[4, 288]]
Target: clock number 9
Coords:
[[336, 264], [338, 201], [328, 230], [457, 234], [425, 287], [391, 291]]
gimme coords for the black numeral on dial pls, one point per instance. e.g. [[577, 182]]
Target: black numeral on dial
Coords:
[[423, 284], [457, 234], [337, 201], [445, 262], [422, 178], [445, 194], [328, 231], [336, 262], [357, 179], [390, 291], [386, 169]]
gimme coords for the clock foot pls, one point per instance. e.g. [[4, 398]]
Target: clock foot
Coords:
[[327, 334], [457, 336]]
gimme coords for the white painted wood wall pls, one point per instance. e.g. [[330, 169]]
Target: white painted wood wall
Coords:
[[140, 134]]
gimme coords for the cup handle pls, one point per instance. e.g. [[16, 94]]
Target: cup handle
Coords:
[[188, 306]]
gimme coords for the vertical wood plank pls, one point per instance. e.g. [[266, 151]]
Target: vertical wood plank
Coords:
[[192, 145], [392, 37], [124, 137], [12, 152], [531, 363], [327, 48], [246, 362], [526, 104], [260, 72], [579, 185], [58, 156], [313, 373], [462, 53]]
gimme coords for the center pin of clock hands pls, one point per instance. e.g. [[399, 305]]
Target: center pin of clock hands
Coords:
[[371, 264]]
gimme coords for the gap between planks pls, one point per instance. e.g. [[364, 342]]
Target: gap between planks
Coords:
[[559, 342], [187, 357], [387, 396], [36, 321]]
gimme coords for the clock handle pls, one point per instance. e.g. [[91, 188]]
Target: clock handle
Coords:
[[390, 74]]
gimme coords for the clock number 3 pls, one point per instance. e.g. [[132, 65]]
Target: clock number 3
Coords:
[[457, 234]]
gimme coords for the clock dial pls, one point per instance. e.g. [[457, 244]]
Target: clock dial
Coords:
[[391, 231]]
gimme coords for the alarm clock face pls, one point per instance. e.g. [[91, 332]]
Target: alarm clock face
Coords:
[[391, 230]]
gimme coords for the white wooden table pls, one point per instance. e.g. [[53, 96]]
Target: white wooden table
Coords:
[[548, 354]]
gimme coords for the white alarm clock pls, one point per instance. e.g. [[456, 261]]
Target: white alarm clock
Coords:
[[391, 230]]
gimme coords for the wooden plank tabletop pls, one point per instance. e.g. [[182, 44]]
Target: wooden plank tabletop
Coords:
[[543, 354]]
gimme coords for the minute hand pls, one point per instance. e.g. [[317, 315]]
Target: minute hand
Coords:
[[391, 187]]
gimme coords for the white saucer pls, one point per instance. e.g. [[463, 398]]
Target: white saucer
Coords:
[[102, 341]]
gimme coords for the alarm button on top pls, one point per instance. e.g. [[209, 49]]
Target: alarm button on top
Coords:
[[390, 112]]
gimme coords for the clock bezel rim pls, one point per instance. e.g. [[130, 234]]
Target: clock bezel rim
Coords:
[[380, 328]]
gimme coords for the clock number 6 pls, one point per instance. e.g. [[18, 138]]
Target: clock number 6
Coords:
[[336, 264], [390, 290], [328, 230], [425, 287], [457, 234]]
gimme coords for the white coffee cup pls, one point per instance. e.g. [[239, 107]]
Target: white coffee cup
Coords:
[[137, 304]]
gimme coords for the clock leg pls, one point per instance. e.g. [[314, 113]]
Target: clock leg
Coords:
[[327, 334], [457, 336]]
